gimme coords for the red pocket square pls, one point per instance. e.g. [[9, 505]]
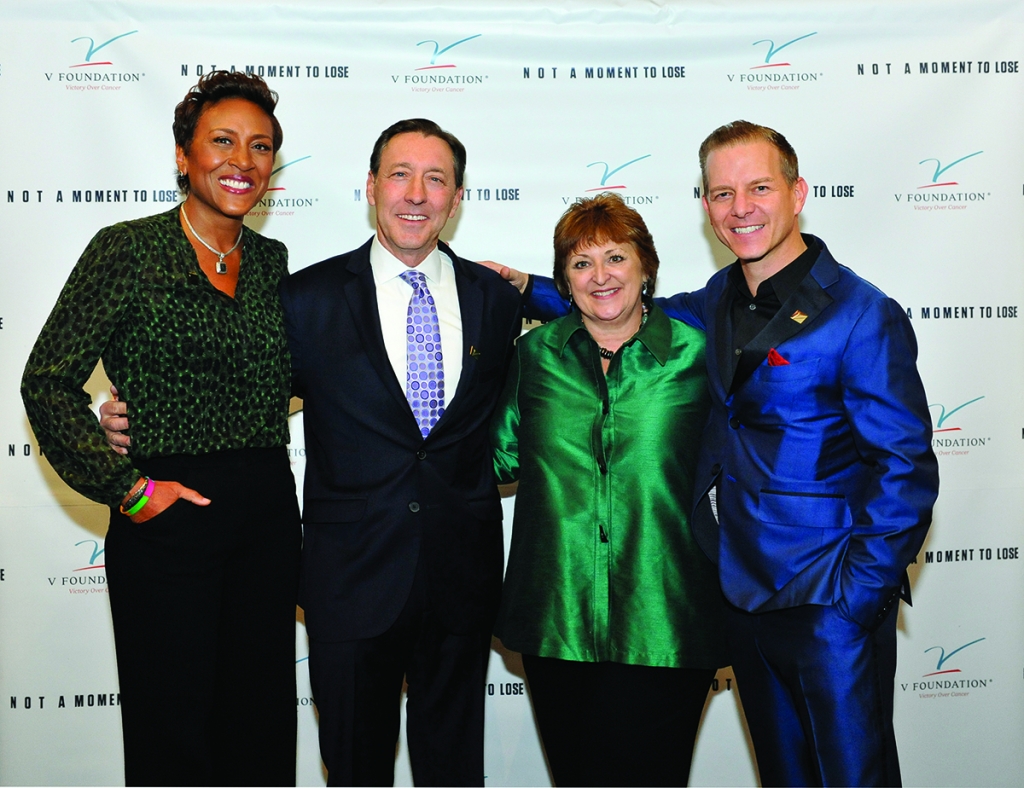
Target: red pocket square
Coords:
[[775, 359]]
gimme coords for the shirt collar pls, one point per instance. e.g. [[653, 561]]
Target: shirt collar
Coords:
[[784, 281], [655, 334], [789, 278], [387, 267]]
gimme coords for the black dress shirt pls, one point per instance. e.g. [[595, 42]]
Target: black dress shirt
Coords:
[[749, 315]]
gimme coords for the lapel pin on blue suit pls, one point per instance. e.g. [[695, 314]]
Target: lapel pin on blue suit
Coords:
[[473, 352], [798, 316]]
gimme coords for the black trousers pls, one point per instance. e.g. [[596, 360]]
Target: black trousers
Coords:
[[203, 607], [357, 688], [606, 723]]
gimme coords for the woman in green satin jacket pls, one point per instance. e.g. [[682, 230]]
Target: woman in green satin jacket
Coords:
[[606, 594]]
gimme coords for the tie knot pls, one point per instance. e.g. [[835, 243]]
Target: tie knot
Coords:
[[415, 279]]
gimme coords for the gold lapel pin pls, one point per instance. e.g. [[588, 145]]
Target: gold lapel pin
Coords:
[[798, 316]]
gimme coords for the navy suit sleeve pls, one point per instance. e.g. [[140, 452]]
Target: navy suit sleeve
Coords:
[[291, 328], [541, 301], [885, 404]]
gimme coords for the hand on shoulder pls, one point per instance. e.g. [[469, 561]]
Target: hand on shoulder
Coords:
[[516, 278]]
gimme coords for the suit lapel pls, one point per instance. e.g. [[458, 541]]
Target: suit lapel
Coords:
[[801, 309], [798, 312], [361, 295], [471, 307]]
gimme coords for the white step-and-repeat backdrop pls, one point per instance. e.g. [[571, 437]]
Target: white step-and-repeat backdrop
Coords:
[[908, 119]]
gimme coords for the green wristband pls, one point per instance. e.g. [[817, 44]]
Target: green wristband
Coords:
[[137, 507]]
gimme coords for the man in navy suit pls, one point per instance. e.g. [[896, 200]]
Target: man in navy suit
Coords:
[[816, 478], [403, 547], [402, 554]]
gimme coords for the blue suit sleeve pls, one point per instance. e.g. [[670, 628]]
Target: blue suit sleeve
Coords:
[[886, 407], [542, 301], [688, 307]]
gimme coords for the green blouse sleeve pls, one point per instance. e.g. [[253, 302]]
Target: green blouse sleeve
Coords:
[[74, 337], [505, 426]]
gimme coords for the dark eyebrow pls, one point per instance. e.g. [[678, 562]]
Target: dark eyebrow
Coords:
[[229, 130]]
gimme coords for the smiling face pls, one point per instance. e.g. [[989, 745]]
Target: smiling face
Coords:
[[414, 193], [229, 160], [752, 209], [606, 280]]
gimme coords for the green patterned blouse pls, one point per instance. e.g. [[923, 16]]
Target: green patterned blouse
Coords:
[[200, 371], [602, 565]]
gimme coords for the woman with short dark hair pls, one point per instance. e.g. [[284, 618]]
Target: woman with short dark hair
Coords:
[[202, 549]]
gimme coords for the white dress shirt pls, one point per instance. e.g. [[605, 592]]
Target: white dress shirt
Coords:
[[393, 294]]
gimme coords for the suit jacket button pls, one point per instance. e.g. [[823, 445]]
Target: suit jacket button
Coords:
[[421, 455], [716, 469], [734, 423], [414, 507]]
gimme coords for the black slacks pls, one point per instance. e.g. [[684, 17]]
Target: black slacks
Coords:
[[606, 723], [357, 687], [203, 607]]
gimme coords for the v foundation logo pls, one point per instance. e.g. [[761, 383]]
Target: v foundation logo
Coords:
[[774, 50], [439, 50], [93, 48], [609, 171]]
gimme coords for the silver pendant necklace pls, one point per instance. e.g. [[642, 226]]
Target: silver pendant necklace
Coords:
[[222, 267]]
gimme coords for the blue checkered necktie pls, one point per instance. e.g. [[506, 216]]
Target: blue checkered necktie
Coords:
[[424, 376]]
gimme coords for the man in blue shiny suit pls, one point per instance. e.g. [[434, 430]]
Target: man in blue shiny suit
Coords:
[[816, 480]]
